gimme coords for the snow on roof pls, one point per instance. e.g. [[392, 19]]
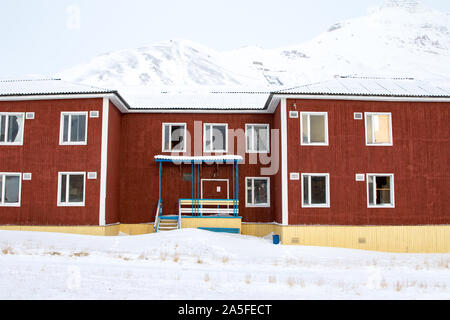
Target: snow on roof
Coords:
[[195, 99], [45, 86], [199, 158], [366, 86]]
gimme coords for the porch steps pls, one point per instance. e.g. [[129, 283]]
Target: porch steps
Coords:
[[167, 223]]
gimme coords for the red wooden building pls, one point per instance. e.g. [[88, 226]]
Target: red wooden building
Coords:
[[352, 162]]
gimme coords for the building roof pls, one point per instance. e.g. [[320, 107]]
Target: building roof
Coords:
[[46, 87], [207, 100], [366, 86], [200, 99]]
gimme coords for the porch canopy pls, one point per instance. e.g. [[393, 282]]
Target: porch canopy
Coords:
[[196, 203]]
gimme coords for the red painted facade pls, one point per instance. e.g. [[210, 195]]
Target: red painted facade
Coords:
[[142, 140], [419, 159], [42, 156]]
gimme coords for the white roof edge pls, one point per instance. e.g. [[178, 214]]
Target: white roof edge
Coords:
[[360, 97], [114, 98], [199, 158]]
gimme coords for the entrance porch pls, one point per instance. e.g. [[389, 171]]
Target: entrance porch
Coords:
[[213, 204]]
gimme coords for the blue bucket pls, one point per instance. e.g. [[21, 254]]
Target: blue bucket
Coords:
[[276, 239]]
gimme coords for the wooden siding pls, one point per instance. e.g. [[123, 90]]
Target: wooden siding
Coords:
[[142, 140], [419, 160], [42, 155]]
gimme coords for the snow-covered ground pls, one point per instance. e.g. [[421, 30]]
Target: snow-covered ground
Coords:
[[197, 264]]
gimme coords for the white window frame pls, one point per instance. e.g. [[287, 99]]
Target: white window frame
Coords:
[[67, 203], [392, 204], [373, 130], [249, 129], [257, 205], [3, 187], [164, 124], [7, 114], [327, 190], [61, 128], [211, 135], [306, 113]]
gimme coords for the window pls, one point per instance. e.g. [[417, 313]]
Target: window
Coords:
[[10, 186], [314, 128], [215, 137], [174, 137], [257, 138], [73, 128], [71, 188], [316, 190], [380, 190], [11, 128], [258, 192], [378, 129]]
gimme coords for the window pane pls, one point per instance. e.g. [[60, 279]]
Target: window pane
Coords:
[[381, 128], [2, 128], [249, 137], [76, 188], [249, 191], [260, 191], [317, 128], [305, 128], [81, 128], [383, 186], [306, 189], [73, 128], [1, 188], [371, 198], [15, 124], [261, 138], [63, 188], [12, 186], [369, 128], [177, 137], [77, 128], [318, 190], [65, 128], [219, 136], [208, 138], [166, 136]]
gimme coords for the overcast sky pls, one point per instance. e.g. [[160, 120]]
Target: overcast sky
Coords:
[[47, 36]]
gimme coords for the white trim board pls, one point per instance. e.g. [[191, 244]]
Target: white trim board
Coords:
[[284, 164], [104, 163]]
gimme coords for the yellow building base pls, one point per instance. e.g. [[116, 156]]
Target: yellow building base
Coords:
[[111, 230], [412, 239], [231, 223]]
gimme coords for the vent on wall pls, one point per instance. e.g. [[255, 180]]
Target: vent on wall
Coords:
[[359, 177], [29, 115], [357, 116], [94, 114], [293, 114], [92, 175], [294, 176], [26, 176]]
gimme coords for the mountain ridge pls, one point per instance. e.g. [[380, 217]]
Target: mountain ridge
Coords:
[[396, 39]]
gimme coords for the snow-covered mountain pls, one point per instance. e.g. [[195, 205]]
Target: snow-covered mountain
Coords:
[[398, 38]]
